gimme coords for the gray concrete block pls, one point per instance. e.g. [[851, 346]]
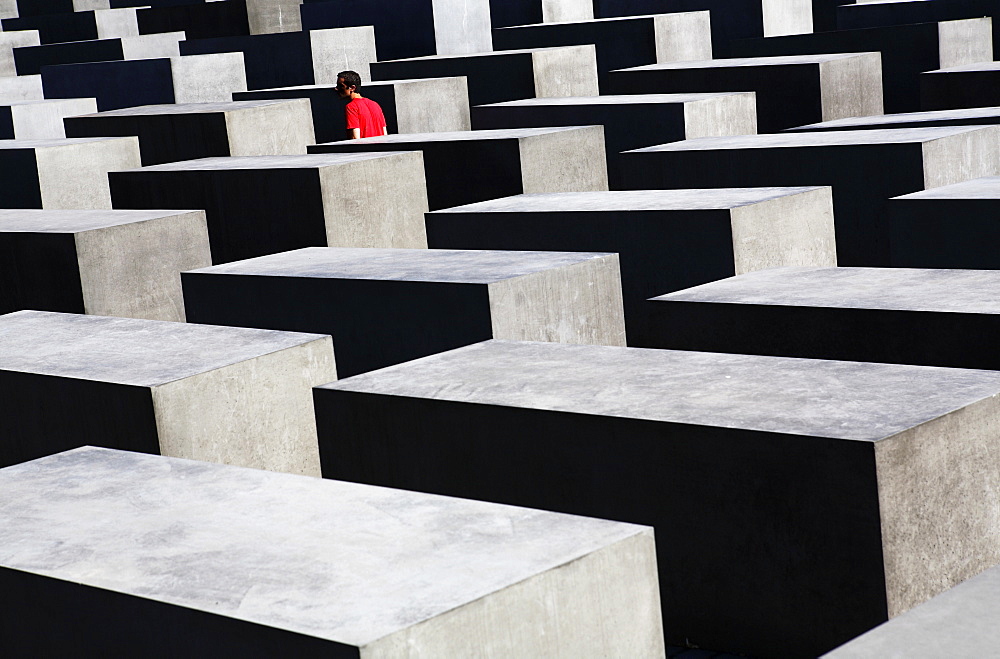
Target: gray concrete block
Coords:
[[67, 173], [8, 8], [388, 306], [78, 25], [791, 91], [46, 7], [902, 12], [8, 42], [967, 86], [630, 121], [887, 315], [266, 204], [421, 105], [21, 88], [703, 235], [504, 13], [620, 42], [29, 60], [249, 562], [186, 131], [130, 83], [198, 20], [295, 58], [986, 116], [274, 16], [468, 166], [106, 263], [805, 501], [40, 120], [218, 394], [852, 162], [538, 72]]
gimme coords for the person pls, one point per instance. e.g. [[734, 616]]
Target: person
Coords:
[[364, 116]]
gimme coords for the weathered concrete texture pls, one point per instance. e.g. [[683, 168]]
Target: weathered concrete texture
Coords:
[[410, 29], [853, 162], [949, 43], [621, 42], [274, 16], [21, 88], [186, 131], [198, 20], [40, 120], [507, 75], [887, 315], [852, 491], [467, 166], [67, 173], [130, 83], [29, 60], [219, 394], [295, 58], [107, 263], [8, 42], [979, 116], [385, 307], [267, 204], [504, 13], [968, 86], [248, 562], [8, 9], [953, 226], [791, 91], [421, 105], [79, 25], [703, 235]]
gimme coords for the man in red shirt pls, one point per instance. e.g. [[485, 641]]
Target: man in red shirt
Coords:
[[364, 116]]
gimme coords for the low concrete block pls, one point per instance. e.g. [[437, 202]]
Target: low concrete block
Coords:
[[539, 72], [504, 13], [426, 105], [703, 235], [8, 42], [44, 7], [790, 91], [29, 60], [218, 394], [106, 263], [295, 58], [886, 315], [249, 562], [630, 121], [266, 204], [468, 166], [387, 306], [186, 131], [968, 86], [78, 25], [40, 120], [853, 162], [932, 119], [67, 173], [620, 42], [805, 500], [21, 88], [198, 20], [130, 83]]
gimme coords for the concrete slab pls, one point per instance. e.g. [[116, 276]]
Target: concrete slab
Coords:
[[218, 394], [44, 7], [295, 58], [887, 315], [40, 120], [101, 262], [388, 306], [198, 20], [853, 162], [539, 72], [21, 88], [468, 166], [125, 84], [266, 204], [703, 235], [504, 13], [412, 29], [805, 500], [29, 60], [78, 25], [186, 131], [67, 173], [421, 105], [790, 91], [8, 42], [621, 42], [359, 570], [967, 86], [964, 117]]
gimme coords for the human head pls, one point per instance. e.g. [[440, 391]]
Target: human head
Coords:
[[346, 80]]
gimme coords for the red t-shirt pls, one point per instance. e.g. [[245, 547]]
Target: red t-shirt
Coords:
[[367, 115]]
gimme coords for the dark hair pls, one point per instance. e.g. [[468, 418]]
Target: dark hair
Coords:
[[351, 79]]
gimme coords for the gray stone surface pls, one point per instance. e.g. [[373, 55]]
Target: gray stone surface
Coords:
[[931, 119], [272, 16], [39, 120], [840, 477], [219, 394], [28, 60], [11, 40], [21, 88], [107, 263], [379, 572], [504, 13], [965, 86], [387, 306]]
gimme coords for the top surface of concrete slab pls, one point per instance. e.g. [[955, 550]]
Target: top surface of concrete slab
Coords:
[[624, 99], [431, 265], [629, 200], [461, 135], [843, 400], [187, 108], [268, 162], [47, 101], [987, 187], [779, 60], [904, 289], [342, 561], [978, 66], [142, 353], [74, 221], [587, 21], [828, 138], [932, 115], [54, 142], [489, 53], [368, 83]]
